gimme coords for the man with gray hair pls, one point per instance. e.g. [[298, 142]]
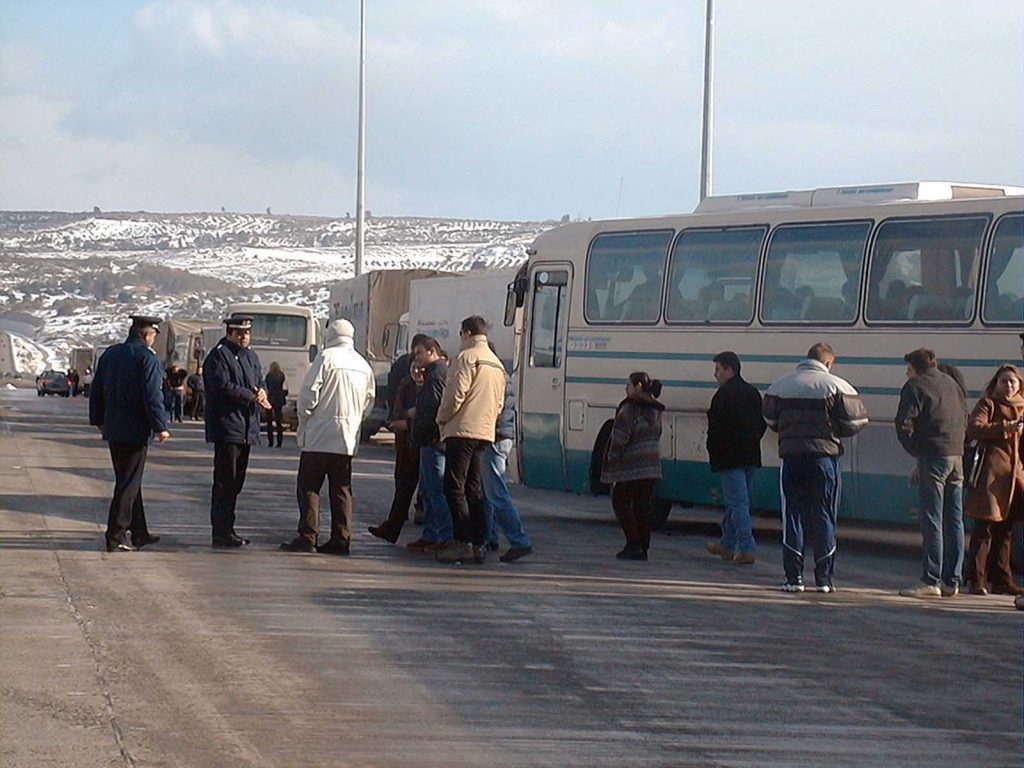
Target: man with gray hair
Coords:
[[336, 393]]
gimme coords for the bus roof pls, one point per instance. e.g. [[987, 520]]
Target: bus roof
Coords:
[[259, 308], [827, 197]]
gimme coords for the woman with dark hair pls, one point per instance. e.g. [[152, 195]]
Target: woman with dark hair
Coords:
[[277, 394], [997, 498], [632, 464]]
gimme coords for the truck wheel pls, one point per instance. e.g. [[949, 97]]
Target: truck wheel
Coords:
[[662, 508]]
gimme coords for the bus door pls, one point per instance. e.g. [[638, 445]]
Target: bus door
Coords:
[[542, 389]]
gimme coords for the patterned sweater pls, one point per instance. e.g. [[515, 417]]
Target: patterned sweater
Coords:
[[634, 447]]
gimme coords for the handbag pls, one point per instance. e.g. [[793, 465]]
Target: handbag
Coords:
[[974, 459]]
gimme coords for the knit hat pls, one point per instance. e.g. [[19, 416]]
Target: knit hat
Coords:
[[339, 329]]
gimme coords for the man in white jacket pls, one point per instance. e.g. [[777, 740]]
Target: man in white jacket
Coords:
[[336, 393]]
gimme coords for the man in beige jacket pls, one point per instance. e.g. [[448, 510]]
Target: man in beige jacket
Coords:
[[473, 398]]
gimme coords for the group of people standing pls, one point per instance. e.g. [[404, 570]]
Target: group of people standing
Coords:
[[812, 409], [454, 427]]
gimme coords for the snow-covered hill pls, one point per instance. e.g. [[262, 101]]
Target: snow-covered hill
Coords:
[[81, 274]]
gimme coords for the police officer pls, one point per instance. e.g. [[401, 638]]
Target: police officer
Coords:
[[235, 391], [126, 404]]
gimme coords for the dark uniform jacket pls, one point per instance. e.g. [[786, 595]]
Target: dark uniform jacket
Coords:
[[735, 426], [425, 430], [932, 416], [126, 396], [230, 375]]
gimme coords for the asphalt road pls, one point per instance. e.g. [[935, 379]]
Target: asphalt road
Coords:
[[181, 655]]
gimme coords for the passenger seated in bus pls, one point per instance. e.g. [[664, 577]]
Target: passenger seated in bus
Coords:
[[824, 309], [783, 305], [894, 304], [710, 297], [737, 308], [644, 302]]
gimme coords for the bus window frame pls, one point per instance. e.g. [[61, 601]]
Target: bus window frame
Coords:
[[664, 271], [990, 241], [561, 320], [754, 289], [868, 243], [984, 241]]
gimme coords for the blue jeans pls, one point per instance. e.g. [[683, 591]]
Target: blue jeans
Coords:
[[941, 480], [437, 519], [737, 487], [811, 486], [501, 513]]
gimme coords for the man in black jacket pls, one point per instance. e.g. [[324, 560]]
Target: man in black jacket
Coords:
[[735, 428], [235, 391], [930, 423], [425, 434]]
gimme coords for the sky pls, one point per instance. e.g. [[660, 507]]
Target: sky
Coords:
[[502, 109]]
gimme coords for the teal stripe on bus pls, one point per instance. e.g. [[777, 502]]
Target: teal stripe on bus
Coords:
[[697, 384], [753, 358]]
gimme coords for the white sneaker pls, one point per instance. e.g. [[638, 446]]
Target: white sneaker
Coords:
[[790, 586], [924, 591], [824, 588], [949, 590]]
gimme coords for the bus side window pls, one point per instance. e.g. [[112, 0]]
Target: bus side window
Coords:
[[546, 326], [925, 270], [625, 272], [1004, 287], [711, 275], [813, 272]]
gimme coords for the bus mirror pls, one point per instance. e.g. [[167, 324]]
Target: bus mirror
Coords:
[[312, 352], [510, 305]]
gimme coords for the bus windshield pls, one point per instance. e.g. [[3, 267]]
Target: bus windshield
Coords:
[[279, 331]]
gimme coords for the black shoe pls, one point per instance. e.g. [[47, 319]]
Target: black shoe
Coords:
[[119, 546], [229, 542], [141, 541], [514, 553], [334, 547], [479, 555], [632, 552], [383, 531], [298, 545]]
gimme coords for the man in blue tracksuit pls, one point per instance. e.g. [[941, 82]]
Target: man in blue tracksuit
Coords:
[[811, 409], [126, 404], [235, 392]]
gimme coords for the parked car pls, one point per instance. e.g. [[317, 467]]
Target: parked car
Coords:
[[53, 383]]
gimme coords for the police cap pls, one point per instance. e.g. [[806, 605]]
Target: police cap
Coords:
[[239, 322], [145, 322]]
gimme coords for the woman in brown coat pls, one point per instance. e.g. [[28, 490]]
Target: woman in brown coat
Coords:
[[633, 462], [998, 498]]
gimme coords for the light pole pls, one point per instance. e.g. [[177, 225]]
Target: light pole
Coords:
[[708, 117], [361, 161]]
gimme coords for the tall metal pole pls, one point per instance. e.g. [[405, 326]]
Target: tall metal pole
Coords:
[[709, 75], [361, 163]]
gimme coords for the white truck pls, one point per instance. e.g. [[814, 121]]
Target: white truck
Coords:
[[437, 306], [373, 303]]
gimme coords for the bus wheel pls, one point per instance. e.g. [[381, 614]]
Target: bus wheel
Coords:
[[662, 508]]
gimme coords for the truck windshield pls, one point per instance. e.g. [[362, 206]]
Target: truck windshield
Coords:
[[279, 331]]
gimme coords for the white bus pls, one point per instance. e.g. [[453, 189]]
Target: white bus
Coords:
[[875, 271], [289, 335]]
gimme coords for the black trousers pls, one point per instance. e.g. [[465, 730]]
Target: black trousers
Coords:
[[126, 510], [337, 469], [275, 417], [464, 488], [407, 478], [633, 502], [198, 405], [230, 461]]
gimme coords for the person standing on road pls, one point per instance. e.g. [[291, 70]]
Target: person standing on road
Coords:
[[126, 405], [407, 458], [811, 409], [997, 499], [426, 436], [502, 514], [336, 394], [735, 429], [472, 401], [176, 376], [195, 388], [632, 464], [276, 394], [235, 391], [930, 423]]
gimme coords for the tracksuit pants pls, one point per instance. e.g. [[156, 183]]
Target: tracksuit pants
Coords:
[[811, 487]]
